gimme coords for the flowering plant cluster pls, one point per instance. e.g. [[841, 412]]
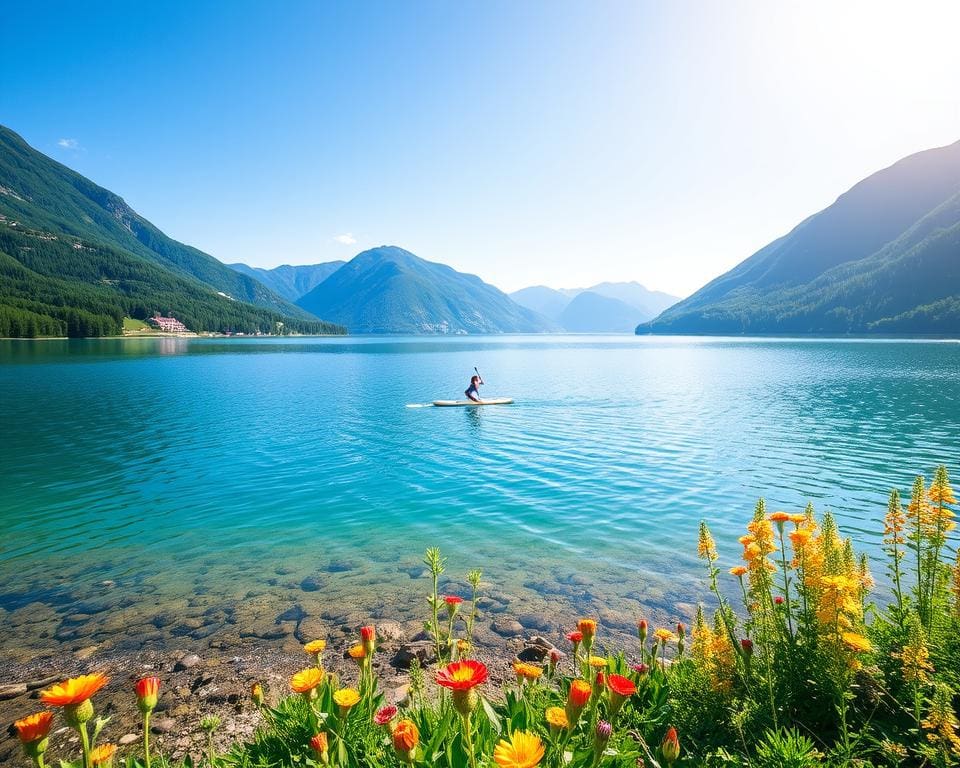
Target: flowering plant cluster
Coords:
[[806, 672]]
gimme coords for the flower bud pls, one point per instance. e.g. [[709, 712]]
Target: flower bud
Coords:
[[256, 693], [601, 736], [670, 748], [642, 631], [147, 689], [747, 645], [320, 747], [368, 638]]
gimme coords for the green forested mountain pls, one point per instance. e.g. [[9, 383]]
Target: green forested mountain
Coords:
[[884, 258], [389, 290], [74, 259], [288, 281]]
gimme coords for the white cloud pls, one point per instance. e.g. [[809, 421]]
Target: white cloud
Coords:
[[346, 238], [69, 144]]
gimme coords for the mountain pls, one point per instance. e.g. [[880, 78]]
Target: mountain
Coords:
[[883, 258], [590, 312], [389, 290], [288, 281], [650, 303], [604, 308], [549, 302], [75, 259]]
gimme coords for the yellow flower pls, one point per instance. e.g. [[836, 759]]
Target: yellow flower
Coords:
[[523, 750], [306, 680], [706, 547], [800, 538], [738, 571], [664, 636], [103, 755], [74, 691], [941, 723], [597, 662], [526, 671], [346, 698], [798, 519], [557, 718], [315, 646], [856, 643]]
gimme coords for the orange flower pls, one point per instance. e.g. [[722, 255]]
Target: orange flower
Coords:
[[670, 747], [357, 652], [306, 680], [739, 570], [315, 646], [800, 538], [798, 518], [588, 628], [34, 727], [76, 690], [405, 736], [103, 755], [147, 689], [580, 692], [462, 675], [319, 744], [779, 517], [526, 671]]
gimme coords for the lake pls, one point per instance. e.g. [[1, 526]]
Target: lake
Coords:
[[179, 492]]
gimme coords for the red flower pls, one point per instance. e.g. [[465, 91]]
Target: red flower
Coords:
[[452, 600], [367, 633], [147, 689], [620, 685], [462, 675], [384, 715], [34, 727], [640, 669], [575, 637], [778, 600], [579, 694], [747, 645]]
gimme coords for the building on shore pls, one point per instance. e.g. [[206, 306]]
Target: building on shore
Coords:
[[168, 324]]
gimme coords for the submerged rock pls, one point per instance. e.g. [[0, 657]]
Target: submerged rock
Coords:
[[507, 627], [423, 650], [186, 662]]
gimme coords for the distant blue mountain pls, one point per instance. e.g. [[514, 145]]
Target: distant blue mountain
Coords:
[[291, 282], [390, 290], [603, 308]]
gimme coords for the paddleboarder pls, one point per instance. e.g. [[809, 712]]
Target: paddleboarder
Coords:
[[472, 392]]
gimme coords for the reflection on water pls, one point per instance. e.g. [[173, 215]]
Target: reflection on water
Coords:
[[168, 490]]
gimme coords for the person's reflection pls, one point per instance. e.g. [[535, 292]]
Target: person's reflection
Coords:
[[473, 418]]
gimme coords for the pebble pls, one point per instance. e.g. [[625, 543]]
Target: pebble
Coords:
[[12, 691], [127, 739], [423, 650], [186, 662], [163, 725], [507, 627], [538, 621]]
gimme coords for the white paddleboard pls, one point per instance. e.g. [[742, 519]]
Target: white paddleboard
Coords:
[[488, 401]]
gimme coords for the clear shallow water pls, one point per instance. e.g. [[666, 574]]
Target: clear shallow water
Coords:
[[195, 475]]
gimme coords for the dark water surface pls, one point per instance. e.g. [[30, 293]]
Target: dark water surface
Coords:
[[175, 492]]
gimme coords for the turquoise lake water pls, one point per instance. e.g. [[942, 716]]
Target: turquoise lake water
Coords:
[[166, 478]]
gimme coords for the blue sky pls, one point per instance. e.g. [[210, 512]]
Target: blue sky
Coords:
[[557, 143]]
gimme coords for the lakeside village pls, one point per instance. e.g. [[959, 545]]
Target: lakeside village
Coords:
[[171, 326]]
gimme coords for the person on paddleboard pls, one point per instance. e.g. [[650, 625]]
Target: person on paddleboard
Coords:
[[472, 392]]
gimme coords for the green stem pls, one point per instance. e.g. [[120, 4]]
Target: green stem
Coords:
[[786, 582], [85, 744], [146, 739], [210, 748], [468, 737]]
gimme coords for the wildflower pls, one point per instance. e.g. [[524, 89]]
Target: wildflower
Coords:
[[463, 648], [798, 519], [664, 636], [575, 637], [453, 604], [800, 538], [33, 732], [315, 646], [621, 689], [597, 662], [384, 715], [914, 656], [147, 689], [74, 691], [640, 669], [670, 747], [940, 491], [462, 677], [941, 723], [557, 720], [778, 600], [601, 736], [405, 739], [358, 653], [306, 681], [103, 755], [74, 696], [523, 750], [642, 631], [320, 746], [747, 645], [256, 693], [555, 656], [588, 628], [739, 571], [577, 698], [526, 671], [779, 518], [345, 698], [856, 643], [706, 547], [368, 639]]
